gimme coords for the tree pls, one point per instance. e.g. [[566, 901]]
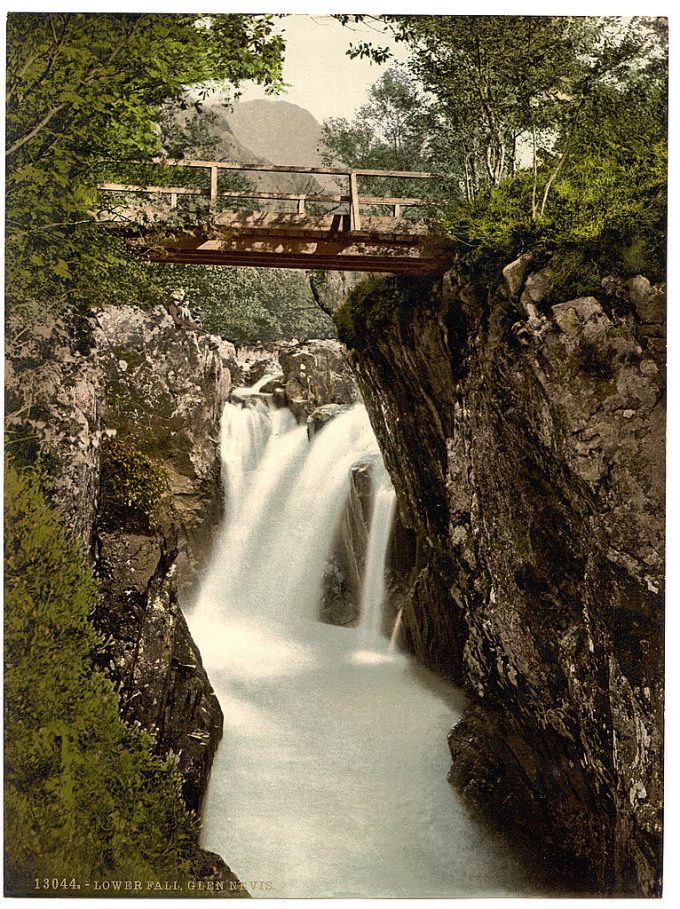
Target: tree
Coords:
[[556, 129], [84, 91], [246, 305], [392, 131], [510, 90]]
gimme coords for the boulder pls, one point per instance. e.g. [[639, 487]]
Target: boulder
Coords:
[[317, 373], [320, 416], [649, 302], [514, 273]]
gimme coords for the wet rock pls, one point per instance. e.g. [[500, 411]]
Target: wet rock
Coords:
[[215, 876], [344, 572], [320, 416], [273, 385], [317, 373], [152, 658], [531, 475], [339, 604]]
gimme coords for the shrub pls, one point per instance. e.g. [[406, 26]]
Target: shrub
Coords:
[[84, 797], [606, 210], [131, 481]]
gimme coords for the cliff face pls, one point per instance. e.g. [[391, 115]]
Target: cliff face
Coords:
[[525, 442], [163, 395], [127, 381]]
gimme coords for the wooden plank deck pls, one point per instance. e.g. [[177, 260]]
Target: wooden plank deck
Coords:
[[332, 241]]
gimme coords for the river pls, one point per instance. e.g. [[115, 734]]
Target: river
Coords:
[[331, 779]]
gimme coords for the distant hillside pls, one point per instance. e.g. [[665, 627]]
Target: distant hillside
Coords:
[[281, 132], [271, 132]]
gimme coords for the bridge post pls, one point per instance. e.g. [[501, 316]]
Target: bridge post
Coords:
[[301, 206], [354, 215], [213, 186]]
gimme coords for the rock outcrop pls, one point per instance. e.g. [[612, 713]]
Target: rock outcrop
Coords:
[[329, 288], [526, 442], [127, 381], [344, 572], [314, 374], [164, 391], [304, 376], [54, 397]]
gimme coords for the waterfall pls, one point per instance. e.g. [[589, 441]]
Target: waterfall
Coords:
[[283, 498], [373, 588], [332, 776], [394, 638]]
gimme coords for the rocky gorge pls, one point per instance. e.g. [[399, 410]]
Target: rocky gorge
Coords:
[[124, 410], [524, 435]]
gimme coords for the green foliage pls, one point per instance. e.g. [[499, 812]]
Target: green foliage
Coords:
[[607, 211], [82, 91], [377, 302], [498, 90], [83, 794], [246, 305], [392, 131], [131, 480]]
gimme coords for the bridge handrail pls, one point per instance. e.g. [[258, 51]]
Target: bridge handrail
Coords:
[[353, 198], [295, 169], [394, 202]]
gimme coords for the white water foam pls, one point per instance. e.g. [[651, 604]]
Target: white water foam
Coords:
[[332, 776]]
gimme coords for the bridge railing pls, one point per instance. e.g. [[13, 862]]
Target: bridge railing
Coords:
[[352, 198]]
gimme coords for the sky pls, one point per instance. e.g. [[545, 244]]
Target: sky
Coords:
[[322, 78]]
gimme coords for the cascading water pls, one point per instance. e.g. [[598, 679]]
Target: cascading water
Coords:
[[371, 638], [332, 776], [394, 638]]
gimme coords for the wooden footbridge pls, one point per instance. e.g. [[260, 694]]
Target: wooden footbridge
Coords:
[[343, 231]]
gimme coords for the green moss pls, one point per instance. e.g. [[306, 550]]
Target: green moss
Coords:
[[83, 794], [575, 274], [131, 480], [377, 303], [132, 357]]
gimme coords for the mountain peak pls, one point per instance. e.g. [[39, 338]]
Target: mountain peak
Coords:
[[277, 130]]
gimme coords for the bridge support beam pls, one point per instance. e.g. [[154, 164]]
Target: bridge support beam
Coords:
[[276, 240]]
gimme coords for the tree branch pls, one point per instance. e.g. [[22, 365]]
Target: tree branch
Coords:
[[38, 128], [51, 114], [562, 158]]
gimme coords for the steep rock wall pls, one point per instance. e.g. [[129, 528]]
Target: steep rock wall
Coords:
[[164, 390], [129, 375], [525, 442]]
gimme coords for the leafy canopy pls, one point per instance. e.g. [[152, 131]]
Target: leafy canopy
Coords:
[[553, 129], [246, 305], [84, 90]]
